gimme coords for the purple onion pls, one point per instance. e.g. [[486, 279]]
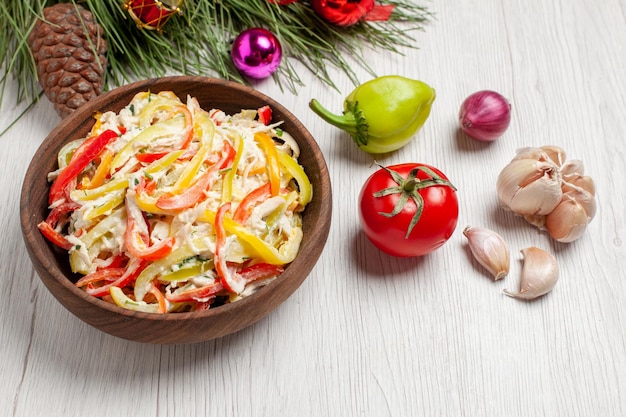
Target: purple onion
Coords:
[[485, 115]]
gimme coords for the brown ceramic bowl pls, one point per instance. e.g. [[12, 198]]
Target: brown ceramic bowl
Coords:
[[52, 264]]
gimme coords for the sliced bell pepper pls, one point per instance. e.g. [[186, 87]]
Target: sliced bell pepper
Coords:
[[297, 172], [273, 217], [229, 278], [227, 184], [53, 236], [122, 300], [160, 298], [260, 271], [265, 115], [271, 155], [178, 125], [191, 169], [113, 185], [48, 227], [195, 294], [136, 241], [107, 274], [196, 193], [176, 256], [79, 163], [163, 101], [113, 201], [259, 247], [244, 209], [182, 274], [203, 127], [148, 158], [132, 271], [102, 171]]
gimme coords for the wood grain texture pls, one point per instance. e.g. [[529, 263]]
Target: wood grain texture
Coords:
[[367, 334]]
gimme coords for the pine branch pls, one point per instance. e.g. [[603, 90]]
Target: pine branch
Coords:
[[197, 42]]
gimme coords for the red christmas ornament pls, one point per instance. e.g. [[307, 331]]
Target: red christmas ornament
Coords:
[[350, 12], [152, 14]]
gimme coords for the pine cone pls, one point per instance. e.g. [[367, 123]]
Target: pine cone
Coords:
[[68, 70]]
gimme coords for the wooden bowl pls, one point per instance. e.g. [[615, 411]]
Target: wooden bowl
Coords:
[[52, 264]]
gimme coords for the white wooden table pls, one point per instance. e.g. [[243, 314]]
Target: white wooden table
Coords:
[[368, 334]]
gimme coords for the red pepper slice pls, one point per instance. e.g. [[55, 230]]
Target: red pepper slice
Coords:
[[108, 274], [160, 298], [148, 158], [53, 236], [145, 186], [134, 268], [60, 210], [142, 250], [47, 227], [244, 209], [265, 115], [118, 261], [196, 294], [196, 192], [260, 271], [79, 162]]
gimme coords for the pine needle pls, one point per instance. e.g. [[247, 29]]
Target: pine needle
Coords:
[[197, 41]]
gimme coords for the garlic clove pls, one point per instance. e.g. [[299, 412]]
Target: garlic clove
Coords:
[[489, 249], [572, 167], [569, 220], [529, 187], [529, 153], [540, 273], [585, 199], [555, 153], [573, 181]]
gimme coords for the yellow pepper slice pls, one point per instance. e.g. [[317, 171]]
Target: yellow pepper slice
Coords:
[[185, 273], [191, 169], [100, 176], [267, 252], [203, 127], [115, 184], [120, 183], [297, 172], [171, 126], [278, 213], [163, 163], [105, 208], [95, 130], [227, 183], [161, 101], [271, 154], [125, 301], [142, 284]]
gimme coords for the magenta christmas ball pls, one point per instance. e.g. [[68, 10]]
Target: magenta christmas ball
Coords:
[[256, 53]]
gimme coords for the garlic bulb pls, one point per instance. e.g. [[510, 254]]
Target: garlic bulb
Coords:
[[549, 192], [540, 273], [529, 186], [489, 249]]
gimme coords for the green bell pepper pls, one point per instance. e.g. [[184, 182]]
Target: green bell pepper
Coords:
[[383, 114]]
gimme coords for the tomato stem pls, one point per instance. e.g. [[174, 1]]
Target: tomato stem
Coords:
[[408, 188]]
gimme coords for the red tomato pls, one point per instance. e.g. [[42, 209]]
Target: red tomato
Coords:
[[408, 209]]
